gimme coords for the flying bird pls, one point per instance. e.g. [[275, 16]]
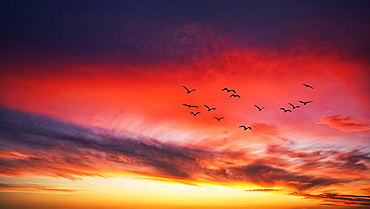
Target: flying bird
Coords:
[[304, 103], [195, 114], [218, 118], [308, 86], [245, 128], [294, 106], [235, 95], [285, 110], [259, 108], [190, 105], [209, 109], [187, 90], [228, 90]]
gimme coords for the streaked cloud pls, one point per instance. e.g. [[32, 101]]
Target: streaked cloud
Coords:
[[261, 190], [338, 199], [344, 123], [35, 188]]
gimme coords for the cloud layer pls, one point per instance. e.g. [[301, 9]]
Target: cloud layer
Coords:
[[38, 145]]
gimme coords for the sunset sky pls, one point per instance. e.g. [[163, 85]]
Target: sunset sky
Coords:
[[92, 110]]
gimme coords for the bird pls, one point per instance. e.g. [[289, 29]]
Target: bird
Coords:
[[294, 106], [259, 108], [228, 90], [187, 90], [190, 105], [308, 86], [245, 128], [195, 114], [218, 118], [235, 95], [209, 109], [285, 110], [304, 103]]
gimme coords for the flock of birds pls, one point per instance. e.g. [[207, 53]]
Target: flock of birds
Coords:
[[238, 96]]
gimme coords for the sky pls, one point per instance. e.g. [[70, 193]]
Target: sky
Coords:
[[93, 105]]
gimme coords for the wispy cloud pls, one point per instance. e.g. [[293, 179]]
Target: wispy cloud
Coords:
[[35, 188], [261, 190], [344, 123]]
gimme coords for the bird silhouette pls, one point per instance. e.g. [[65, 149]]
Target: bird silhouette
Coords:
[[228, 90], [218, 118], [190, 105], [285, 110], [245, 128], [209, 109], [294, 106], [259, 108], [304, 103], [195, 114], [308, 86], [235, 95], [187, 90]]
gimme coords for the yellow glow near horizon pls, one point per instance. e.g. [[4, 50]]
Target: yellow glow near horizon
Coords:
[[137, 193]]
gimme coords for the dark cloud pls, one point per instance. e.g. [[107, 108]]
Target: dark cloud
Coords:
[[266, 175], [330, 159], [337, 198], [39, 136]]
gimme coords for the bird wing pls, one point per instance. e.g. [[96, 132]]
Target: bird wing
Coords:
[[186, 88], [291, 105], [233, 91], [186, 105], [206, 106], [308, 86], [225, 89]]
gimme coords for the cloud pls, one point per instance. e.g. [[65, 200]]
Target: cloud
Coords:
[[59, 147], [34, 188], [266, 175], [344, 123], [337, 198], [261, 190], [38, 145]]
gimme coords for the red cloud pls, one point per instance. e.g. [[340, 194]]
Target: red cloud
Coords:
[[344, 123]]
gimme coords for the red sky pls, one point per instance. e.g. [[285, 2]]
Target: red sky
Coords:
[[99, 110]]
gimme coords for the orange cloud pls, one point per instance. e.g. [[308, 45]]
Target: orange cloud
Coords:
[[35, 188]]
